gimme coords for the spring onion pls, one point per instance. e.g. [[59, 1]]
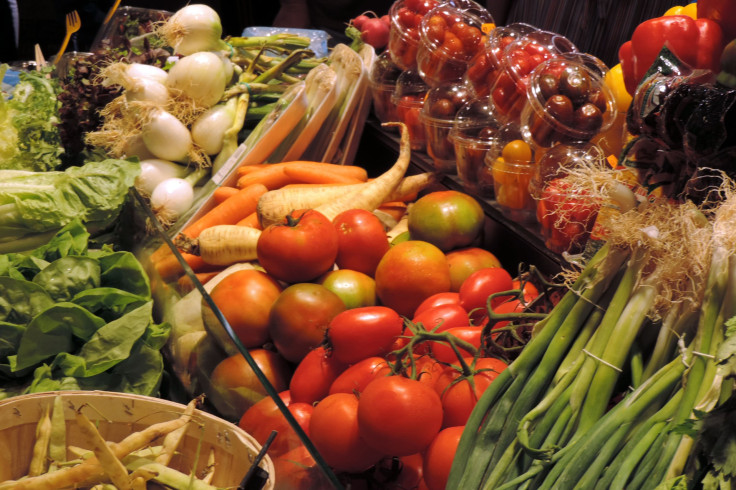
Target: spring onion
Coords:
[[200, 76], [166, 136], [174, 196], [154, 171], [193, 28], [209, 129]]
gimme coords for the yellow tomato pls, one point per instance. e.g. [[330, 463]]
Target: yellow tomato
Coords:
[[517, 151]]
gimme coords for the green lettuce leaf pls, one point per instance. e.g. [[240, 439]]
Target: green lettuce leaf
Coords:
[[67, 276], [10, 335], [22, 300], [123, 271], [109, 303]]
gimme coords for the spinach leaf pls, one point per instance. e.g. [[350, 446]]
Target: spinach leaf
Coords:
[[72, 239], [21, 300], [67, 276], [10, 335], [108, 303], [123, 271]]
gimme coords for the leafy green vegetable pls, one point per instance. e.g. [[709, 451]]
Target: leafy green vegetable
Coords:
[[77, 318], [29, 134]]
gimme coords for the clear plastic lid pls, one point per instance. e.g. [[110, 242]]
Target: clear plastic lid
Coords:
[[475, 121], [502, 36], [384, 71], [455, 32], [567, 99], [526, 53], [444, 101], [409, 84], [558, 160]]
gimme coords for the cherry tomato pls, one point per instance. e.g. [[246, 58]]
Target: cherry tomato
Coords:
[[439, 456], [399, 416], [460, 397], [363, 332], [444, 353], [244, 298], [517, 151], [314, 375], [302, 247], [476, 289], [362, 240], [356, 377], [334, 431], [299, 318], [438, 299]]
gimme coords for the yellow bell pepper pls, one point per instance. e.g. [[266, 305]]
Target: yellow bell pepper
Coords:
[[691, 10], [615, 81]]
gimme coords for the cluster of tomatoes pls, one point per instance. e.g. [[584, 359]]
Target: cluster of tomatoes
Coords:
[[365, 356], [566, 216], [406, 17]]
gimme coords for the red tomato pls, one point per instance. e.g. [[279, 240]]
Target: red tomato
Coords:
[[301, 248], [399, 416], [429, 370], [439, 456], [444, 353], [235, 387], [334, 431], [446, 219], [476, 289], [465, 261], [363, 332], [409, 273], [299, 318], [356, 377], [362, 240], [244, 298], [443, 317], [313, 376], [354, 288], [398, 473], [447, 298], [459, 398], [530, 290], [510, 306], [265, 416], [297, 470]]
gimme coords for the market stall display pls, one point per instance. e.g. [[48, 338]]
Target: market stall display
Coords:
[[356, 307]]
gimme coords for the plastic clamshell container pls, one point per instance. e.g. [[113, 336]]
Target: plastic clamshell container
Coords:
[[474, 132], [509, 89], [382, 79], [403, 35], [119, 31], [483, 67], [438, 117], [448, 38], [408, 97], [567, 100]]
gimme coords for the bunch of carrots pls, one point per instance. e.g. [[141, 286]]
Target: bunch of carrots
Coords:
[[264, 194]]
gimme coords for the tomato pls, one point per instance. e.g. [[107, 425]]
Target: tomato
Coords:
[[459, 398], [297, 470], [334, 431], [529, 290], [510, 306], [399, 416], [442, 317], [465, 261], [566, 216], [398, 473], [446, 219], [260, 421], [363, 332], [234, 386], [444, 353], [356, 377], [362, 240], [439, 456], [409, 273], [313, 376], [517, 151], [428, 369], [244, 298], [446, 298], [476, 289], [299, 318], [354, 288], [301, 248]]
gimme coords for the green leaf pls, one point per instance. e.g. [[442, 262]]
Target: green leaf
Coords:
[[10, 335], [67, 276], [21, 300], [72, 239], [157, 335], [677, 483], [123, 271], [109, 345], [44, 381], [109, 303], [52, 332], [142, 372]]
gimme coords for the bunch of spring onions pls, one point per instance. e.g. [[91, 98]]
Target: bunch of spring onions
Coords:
[[629, 356], [183, 120]]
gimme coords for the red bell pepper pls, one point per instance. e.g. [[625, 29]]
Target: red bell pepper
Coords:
[[696, 42], [721, 11]]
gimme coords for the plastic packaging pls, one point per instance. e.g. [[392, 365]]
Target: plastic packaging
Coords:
[[567, 100], [448, 38], [509, 89], [438, 116], [473, 133], [383, 76], [129, 25], [403, 34], [408, 96]]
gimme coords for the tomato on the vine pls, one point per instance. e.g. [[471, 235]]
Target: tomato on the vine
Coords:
[[443, 317], [399, 416], [446, 298], [264, 417], [444, 353], [314, 375], [363, 332], [356, 377], [439, 456], [476, 289], [334, 430], [301, 248]]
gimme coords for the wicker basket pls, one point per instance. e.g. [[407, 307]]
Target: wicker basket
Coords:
[[121, 414]]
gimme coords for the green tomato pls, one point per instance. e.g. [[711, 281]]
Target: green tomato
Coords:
[[446, 219], [354, 288]]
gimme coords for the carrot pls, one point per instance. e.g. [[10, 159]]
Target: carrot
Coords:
[[354, 171], [223, 244], [274, 205], [314, 174], [250, 220], [168, 267], [372, 194], [246, 169], [230, 211], [274, 175], [223, 192], [395, 209], [185, 284]]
